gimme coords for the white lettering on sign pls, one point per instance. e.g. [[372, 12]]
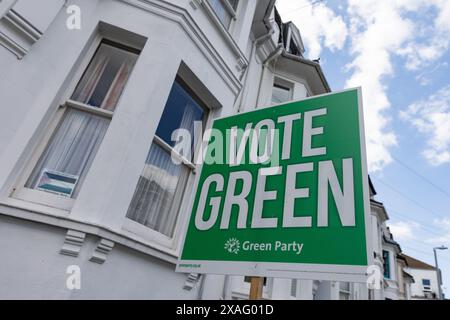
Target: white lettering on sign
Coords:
[[237, 153], [309, 132], [325, 172], [237, 199], [343, 197], [288, 120], [293, 193], [294, 247], [262, 195], [266, 141], [214, 202]]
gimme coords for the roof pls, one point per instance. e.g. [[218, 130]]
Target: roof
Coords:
[[308, 68], [374, 205], [372, 188], [392, 242], [417, 264], [408, 276]]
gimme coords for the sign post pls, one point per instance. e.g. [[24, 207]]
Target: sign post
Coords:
[[283, 192], [256, 288]]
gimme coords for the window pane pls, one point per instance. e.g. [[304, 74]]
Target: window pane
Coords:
[[222, 13], [69, 154], [426, 282], [103, 81], [280, 94], [180, 112], [153, 203], [233, 3], [386, 266]]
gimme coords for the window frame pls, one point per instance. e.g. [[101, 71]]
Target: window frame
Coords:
[[344, 291], [47, 199], [149, 235], [387, 265], [282, 84], [231, 11], [426, 287]]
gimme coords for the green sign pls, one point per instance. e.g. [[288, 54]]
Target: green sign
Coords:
[[283, 192]]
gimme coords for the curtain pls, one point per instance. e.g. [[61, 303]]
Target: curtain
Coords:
[[154, 197], [187, 122], [102, 83], [72, 147]]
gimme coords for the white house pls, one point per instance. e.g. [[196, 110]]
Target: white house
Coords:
[[426, 284], [90, 91]]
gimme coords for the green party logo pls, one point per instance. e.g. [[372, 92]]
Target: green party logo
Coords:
[[232, 245]]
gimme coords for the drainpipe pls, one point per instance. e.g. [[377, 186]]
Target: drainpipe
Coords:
[[244, 89], [227, 288], [257, 41], [201, 287], [270, 58]]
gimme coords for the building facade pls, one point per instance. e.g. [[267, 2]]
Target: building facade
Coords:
[[426, 285], [91, 91]]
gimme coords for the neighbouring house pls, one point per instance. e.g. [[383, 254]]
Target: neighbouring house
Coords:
[[426, 284]]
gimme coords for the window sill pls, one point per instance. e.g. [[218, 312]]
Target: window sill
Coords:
[[60, 218], [34, 207], [146, 235]]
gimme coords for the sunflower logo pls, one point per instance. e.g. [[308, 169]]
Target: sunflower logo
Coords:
[[232, 245]]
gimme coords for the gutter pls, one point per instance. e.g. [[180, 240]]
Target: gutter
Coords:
[[267, 14], [311, 63]]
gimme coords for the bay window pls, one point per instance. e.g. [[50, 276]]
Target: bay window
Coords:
[[159, 191], [81, 125]]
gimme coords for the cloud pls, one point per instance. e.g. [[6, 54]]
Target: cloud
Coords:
[[378, 31], [403, 231], [431, 40], [319, 25], [417, 31], [443, 225], [432, 118]]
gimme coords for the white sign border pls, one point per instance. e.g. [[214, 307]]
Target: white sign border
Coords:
[[308, 271]]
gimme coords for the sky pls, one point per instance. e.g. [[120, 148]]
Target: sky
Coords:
[[398, 51]]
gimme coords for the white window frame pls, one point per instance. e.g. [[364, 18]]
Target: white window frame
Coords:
[[281, 82], [42, 198], [426, 288], [233, 13], [159, 240], [346, 292]]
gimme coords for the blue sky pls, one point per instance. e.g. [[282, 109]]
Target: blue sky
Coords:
[[399, 52]]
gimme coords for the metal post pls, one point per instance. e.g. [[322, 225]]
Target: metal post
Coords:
[[438, 275], [438, 272]]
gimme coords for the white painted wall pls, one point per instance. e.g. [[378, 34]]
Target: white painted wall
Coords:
[[419, 274]]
